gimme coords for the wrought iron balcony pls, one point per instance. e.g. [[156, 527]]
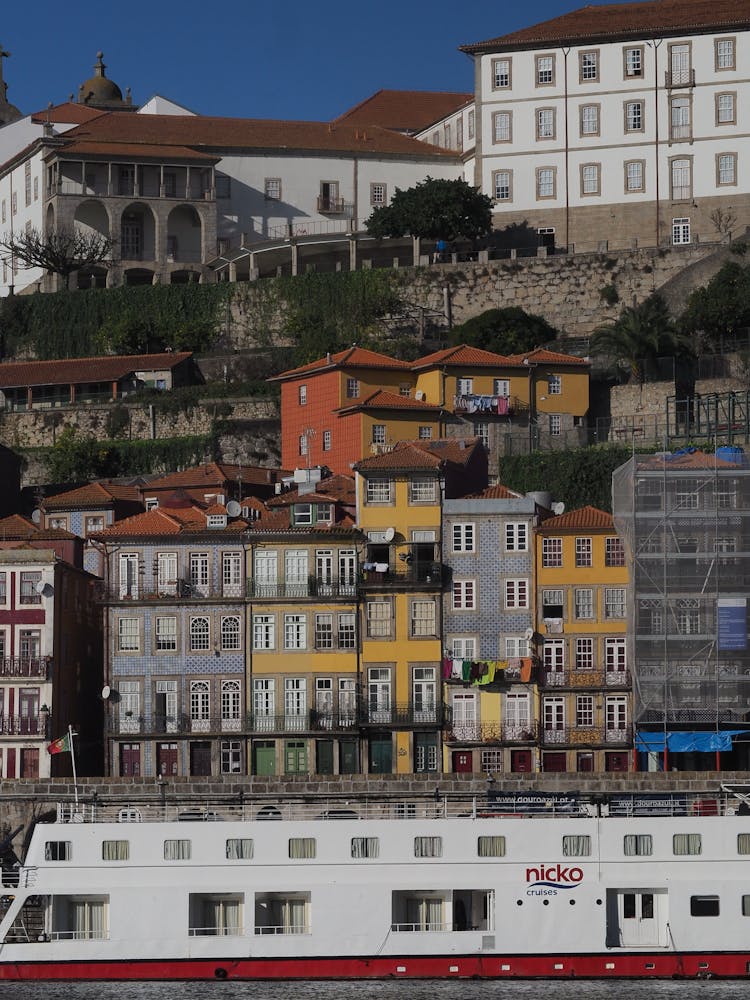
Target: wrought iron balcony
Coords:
[[578, 736], [25, 666], [21, 725], [177, 590], [594, 678], [491, 732], [415, 576], [313, 586]]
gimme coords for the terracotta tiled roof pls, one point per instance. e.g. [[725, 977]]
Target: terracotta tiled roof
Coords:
[[496, 492], [212, 476], [17, 527], [687, 460], [338, 488], [144, 150], [277, 521], [541, 356], [623, 21], [92, 495], [67, 113], [166, 521], [404, 110], [75, 370], [461, 355], [226, 134], [352, 357], [382, 399], [585, 518], [408, 455]]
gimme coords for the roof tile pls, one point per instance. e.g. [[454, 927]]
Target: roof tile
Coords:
[[75, 370], [404, 110], [584, 518]]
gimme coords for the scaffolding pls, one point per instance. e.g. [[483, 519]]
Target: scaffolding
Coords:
[[684, 518]]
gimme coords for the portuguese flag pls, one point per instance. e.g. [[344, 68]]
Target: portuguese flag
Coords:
[[60, 746]]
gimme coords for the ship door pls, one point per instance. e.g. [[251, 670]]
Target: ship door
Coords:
[[636, 918]]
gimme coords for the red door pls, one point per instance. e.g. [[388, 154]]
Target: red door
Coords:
[[462, 762], [130, 760], [520, 761], [29, 763], [166, 759]]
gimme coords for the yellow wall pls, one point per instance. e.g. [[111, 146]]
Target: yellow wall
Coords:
[[440, 388], [398, 428], [371, 379]]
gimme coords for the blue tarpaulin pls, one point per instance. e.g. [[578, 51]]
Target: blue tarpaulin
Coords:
[[650, 742]]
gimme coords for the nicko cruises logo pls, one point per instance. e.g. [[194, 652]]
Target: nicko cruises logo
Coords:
[[546, 880]]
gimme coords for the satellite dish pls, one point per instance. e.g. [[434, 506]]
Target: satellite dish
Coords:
[[40, 587], [528, 634], [558, 508], [36, 515], [106, 691], [390, 534], [233, 508]]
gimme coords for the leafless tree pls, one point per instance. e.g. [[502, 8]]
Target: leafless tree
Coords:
[[58, 251]]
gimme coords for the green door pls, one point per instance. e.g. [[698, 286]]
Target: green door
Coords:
[[381, 755], [324, 756], [295, 757], [348, 757], [264, 757]]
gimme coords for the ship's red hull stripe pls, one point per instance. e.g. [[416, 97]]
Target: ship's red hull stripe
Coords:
[[599, 966]]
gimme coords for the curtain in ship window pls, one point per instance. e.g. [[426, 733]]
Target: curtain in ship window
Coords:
[[365, 847], [428, 847], [302, 847], [239, 848], [491, 847], [294, 917], [746, 906], [575, 846], [176, 850], [221, 916], [743, 843], [115, 850], [637, 844], [86, 918], [686, 843]]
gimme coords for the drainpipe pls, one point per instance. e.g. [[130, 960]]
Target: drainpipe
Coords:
[[655, 43], [566, 53]]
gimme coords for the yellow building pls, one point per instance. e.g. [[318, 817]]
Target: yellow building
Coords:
[[303, 659], [400, 495], [585, 701]]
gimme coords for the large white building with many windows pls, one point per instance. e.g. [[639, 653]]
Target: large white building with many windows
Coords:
[[627, 123]]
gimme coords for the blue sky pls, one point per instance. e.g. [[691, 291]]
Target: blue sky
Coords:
[[253, 58]]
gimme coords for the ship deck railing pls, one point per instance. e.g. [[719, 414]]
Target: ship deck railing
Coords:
[[306, 808]]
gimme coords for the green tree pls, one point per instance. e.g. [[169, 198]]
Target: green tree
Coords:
[[504, 331], [721, 306], [640, 335], [434, 209]]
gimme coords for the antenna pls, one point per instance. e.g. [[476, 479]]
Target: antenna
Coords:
[[390, 534], [528, 634], [233, 508]]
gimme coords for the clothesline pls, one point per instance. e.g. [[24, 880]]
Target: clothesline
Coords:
[[483, 672], [483, 404]]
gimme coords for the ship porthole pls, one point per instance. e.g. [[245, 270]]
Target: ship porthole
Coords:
[[220, 973]]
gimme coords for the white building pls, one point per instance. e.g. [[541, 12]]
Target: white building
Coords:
[[627, 123]]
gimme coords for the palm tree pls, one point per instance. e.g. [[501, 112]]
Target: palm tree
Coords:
[[640, 334]]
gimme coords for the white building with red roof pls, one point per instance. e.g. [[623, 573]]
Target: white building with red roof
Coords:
[[622, 124]]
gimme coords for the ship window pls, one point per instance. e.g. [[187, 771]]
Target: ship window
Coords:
[[637, 844], [281, 913], [418, 911], [704, 906], [79, 918], [428, 847], [746, 906], [176, 850], [115, 850], [743, 843], [239, 848], [215, 914], [365, 847], [686, 843], [302, 847], [576, 846], [490, 847], [58, 850]]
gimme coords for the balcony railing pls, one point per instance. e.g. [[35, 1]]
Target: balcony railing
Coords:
[[682, 77], [171, 591], [586, 678], [181, 724], [311, 587], [149, 189], [417, 575], [333, 206], [21, 725], [491, 732], [586, 736], [24, 666]]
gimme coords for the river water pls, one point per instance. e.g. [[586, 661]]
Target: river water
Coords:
[[413, 990]]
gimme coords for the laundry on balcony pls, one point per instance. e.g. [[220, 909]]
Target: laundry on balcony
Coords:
[[482, 404], [476, 672]]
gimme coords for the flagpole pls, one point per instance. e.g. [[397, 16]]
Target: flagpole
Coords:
[[73, 761]]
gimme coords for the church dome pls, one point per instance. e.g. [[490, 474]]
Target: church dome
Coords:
[[99, 91]]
